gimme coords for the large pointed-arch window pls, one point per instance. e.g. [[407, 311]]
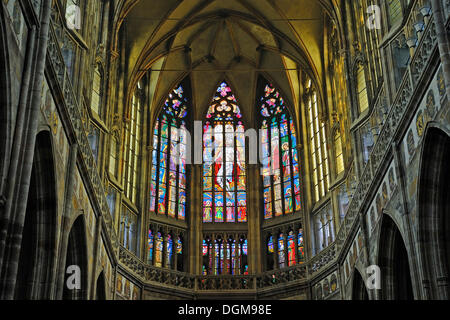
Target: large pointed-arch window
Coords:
[[168, 175], [318, 148], [132, 145], [224, 180], [280, 167]]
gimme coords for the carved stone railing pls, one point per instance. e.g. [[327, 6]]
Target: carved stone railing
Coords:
[[149, 273], [282, 277], [71, 114], [162, 276], [323, 259], [226, 282]]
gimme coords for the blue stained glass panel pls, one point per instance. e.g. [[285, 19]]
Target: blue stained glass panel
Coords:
[[219, 200], [207, 199], [241, 198]]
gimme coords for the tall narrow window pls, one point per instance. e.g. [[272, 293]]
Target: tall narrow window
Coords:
[[363, 100], [224, 180], [179, 253], [300, 246], [319, 149], [338, 152], [169, 251], [281, 252], [219, 263], [168, 175], [159, 249], [280, 167], [94, 140], [270, 253], [207, 256], [96, 96], [133, 135], [395, 11], [231, 256], [150, 247], [113, 156], [243, 264], [291, 249]]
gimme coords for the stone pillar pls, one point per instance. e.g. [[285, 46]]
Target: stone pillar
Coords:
[[254, 219], [67, 213], [97, 248], [443, 40], [16, 147], [17, 208], [195, 222]]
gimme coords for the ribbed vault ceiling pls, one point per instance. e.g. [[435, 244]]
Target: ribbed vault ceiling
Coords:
[[213, 40]]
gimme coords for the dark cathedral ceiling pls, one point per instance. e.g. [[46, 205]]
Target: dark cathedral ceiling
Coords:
[[224, 39]]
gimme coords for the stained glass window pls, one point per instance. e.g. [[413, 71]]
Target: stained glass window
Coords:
[[280, 166], [281, 252], [231, 256], [219, 263], [270, 245], [224, 179], [179, 253], [222, 256], [291, 249], [243, 252], [169, 251], [286, 249], [150, 246], [168, 175], [179, 246], [159, 245], [300, 246], [207, 256]]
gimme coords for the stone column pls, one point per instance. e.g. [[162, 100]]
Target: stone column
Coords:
[[195, 221], [67, 213], [16, 147], [11, 247], [443, 40], [96, 266], [254, 219]]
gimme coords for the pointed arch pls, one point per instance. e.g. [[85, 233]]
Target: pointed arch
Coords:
[[224, 165], [100, 288], [280, 161], [76, 255], [393, 260], [359, 290], [37, 253], [433, 219]]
